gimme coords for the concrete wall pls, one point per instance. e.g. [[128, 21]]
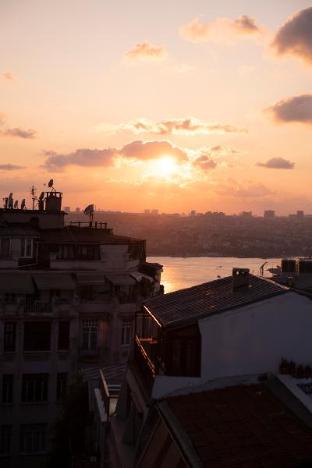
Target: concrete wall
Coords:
[[254, 338]]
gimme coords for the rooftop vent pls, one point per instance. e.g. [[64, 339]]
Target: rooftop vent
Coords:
[[240, 278]]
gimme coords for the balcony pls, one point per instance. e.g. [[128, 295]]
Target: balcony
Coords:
[[147, 360], [38, 307]]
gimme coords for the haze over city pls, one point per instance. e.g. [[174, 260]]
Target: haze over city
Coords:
[[178, 106]]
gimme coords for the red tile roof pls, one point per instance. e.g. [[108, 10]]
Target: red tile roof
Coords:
[[242, 427]]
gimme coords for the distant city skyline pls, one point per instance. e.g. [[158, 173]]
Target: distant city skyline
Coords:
[[178, 106]]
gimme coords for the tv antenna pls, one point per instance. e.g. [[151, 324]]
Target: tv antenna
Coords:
[[33, 193]]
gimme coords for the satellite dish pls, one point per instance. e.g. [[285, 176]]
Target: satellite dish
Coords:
[[89, 211], [16, 204], [50, 183], [41, 196], [23, 204]]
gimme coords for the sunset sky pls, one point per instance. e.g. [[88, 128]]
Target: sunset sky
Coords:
[[175, 105]]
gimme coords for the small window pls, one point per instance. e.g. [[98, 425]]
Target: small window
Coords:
[[5, 439], [61, 386], [126, 333], [26, 247], [89, 334], [35, 387], [37, 336], [9, 336], [33, 438], [63, 335], [7, 388]]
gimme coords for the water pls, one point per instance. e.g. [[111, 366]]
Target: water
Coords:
[[180, 272]]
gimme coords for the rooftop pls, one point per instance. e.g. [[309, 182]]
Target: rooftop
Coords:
[[70, 234], [242, 426], [210, 298]]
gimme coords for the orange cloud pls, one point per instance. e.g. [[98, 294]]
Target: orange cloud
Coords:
[[219, 30], [146, 51], [8, 76], [185, 126]]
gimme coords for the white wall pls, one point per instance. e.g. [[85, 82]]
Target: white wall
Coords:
[[254, 338]]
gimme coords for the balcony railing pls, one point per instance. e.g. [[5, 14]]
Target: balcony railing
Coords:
[[147, 360], [38, 307]]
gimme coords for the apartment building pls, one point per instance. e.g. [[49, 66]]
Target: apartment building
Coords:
[[68, 298]]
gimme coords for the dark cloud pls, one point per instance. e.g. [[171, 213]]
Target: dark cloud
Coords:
[[105, 157], [10, 167], [81, 157], [295, 36], [294, 109], [151, 150], [277, 163], [19, 133], [204, 162], [146, 51]]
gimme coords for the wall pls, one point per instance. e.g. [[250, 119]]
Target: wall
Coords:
[[254, 338]]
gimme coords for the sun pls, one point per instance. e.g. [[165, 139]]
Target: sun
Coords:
[[164, 167]]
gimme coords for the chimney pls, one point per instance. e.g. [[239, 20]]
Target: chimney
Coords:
[[240, 278]]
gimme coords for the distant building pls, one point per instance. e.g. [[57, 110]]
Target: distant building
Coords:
[[193, 213], [246, 214], [300, 214], [78, 210], [269, 214], [147, 211], [154, 212], [67, 209]]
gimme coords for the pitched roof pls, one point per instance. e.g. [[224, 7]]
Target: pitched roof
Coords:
[[210, 298], [244, 426]]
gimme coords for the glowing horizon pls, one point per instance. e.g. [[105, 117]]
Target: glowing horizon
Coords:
[[175, 107]]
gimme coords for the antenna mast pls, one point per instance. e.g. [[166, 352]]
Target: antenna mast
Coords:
[[33, 192]]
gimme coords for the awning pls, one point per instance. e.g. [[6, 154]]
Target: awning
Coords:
[[92, 278], [120, 280], [15, 282], [53, 280]]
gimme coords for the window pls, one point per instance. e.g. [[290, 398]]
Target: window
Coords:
[[5, 247], [35, 387], [37, 336], [5, 439], [61, 385], [33, 438], [89, 334], [63, 335], [10, 298], [26, 247], [9, 336], [126, 333], [7, 388]]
